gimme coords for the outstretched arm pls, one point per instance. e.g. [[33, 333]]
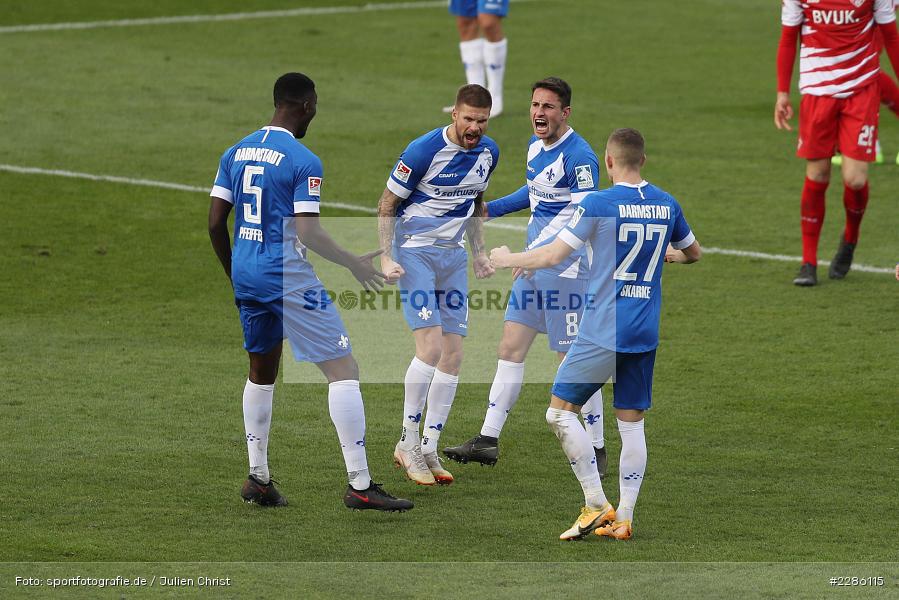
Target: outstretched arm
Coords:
[[539, 258], [314, 237], [387, 206], [219, 210], [517, 200]]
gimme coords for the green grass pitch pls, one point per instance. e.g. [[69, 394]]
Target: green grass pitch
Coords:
[[773, 439]]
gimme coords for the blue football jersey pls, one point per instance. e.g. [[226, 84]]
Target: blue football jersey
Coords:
[[640, 220], [269, 176], [439, 181], [559, 177]]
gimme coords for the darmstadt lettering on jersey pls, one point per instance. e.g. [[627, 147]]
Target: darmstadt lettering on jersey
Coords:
[[644, 211], [635, 291], [259, 155], [250, 233], [834, 17]]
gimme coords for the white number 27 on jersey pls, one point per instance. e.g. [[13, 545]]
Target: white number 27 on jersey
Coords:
[[249, 214], [643, 233]]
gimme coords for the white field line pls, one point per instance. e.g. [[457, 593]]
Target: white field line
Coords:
[[242, 16], [372, 210]]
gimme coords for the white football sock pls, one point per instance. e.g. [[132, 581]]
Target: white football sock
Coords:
[[472, 53], [348, 415], [631, 467], [440, 400], [503, 396], [418, 380], [576, 444], [257, 421], [495, 61], [592, 414]]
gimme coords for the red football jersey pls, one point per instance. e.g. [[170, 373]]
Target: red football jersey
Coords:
[[837, 54]]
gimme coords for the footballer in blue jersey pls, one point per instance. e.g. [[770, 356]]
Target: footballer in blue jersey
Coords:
[[273, 183], [643, 226], [561, 170], [433, 197]]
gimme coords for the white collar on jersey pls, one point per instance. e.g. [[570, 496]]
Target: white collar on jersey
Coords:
[[634, 185], [560, 140], [451, 143], [271, 128]]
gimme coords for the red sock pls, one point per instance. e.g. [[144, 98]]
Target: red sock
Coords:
[[812, 211], [889, 92], [855, 202]]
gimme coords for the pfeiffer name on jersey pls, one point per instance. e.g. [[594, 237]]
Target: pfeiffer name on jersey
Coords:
[[164, 580], [250, 233]]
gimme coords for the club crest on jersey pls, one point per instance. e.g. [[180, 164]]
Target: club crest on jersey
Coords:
[[576, 217], [344, 341], [584, 176], [402, 172], [858, 3], [315, 186]]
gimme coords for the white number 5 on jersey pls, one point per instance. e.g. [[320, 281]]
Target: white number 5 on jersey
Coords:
[[249, 215]]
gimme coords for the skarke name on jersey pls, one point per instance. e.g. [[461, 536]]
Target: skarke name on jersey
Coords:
[[834, 17]]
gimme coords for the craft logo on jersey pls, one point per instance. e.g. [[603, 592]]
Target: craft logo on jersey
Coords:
[[576, 217], [402, 172], [584, 177], [315, 186]]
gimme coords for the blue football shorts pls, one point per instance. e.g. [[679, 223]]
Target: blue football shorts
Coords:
[[550, 304], [587, 367], [473, 8], [307, 318], [434, 288]]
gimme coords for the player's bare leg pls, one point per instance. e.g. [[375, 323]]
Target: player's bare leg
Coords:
[[495, 49], [817, 178], [632, 467], [597, 510], [257, 417], [855, 200], [471, 49]]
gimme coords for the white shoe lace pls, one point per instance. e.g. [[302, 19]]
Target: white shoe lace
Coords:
[[418, 463], [433, 462]]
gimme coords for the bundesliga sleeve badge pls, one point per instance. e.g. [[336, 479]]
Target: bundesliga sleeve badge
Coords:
[[402, 172], [315, 186], [584, 176]]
